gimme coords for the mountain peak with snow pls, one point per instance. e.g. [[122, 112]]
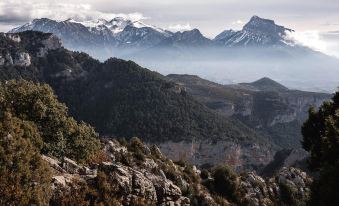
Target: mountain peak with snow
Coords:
[[257, 32]]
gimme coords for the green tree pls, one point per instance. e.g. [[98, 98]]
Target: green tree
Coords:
[[24, 176], [321, 139], [60, 134], [225, 183]]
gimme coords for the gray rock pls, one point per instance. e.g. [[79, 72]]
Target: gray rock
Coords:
[[22, 59]]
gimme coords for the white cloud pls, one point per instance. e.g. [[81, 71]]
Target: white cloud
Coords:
[[310, 39], [19, 11], [238, 22], [316, 40], [180, 27]]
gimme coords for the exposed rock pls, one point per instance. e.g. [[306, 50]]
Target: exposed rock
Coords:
[[14, 37], [256, 191], [237, 156], [22, 59], [8, 60], [2, 60], [286, 158], [131, 182], [51, 43], [54, 163]]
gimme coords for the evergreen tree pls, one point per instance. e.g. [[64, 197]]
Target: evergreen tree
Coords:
[[24, 176], [59, 135], [321, 139]]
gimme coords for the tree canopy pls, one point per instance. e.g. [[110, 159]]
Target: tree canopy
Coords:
[[321, 139]]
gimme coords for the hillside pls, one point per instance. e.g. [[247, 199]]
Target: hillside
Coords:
[[48, 158], [120, 98], [264, 105]]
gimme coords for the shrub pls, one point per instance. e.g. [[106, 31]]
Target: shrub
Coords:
[[57, 134], [225, 183], [24, 176]]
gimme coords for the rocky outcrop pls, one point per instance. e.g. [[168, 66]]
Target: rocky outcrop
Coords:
[[290, 186], [286, 158], [138, 181], [51, 43], [22, 59], [135, 174], [131, 183]]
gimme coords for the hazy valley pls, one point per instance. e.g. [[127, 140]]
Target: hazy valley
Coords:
[[119, 112]]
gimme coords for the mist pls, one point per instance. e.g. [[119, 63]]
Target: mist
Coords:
[[298, 68]]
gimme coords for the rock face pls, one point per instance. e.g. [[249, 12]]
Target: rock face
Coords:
[[51, 43], [144, 180], [204, 153], [22, 59], [286, 158], [131, 183], [257, 191], [135, 174], [34, 47], [264, 105]]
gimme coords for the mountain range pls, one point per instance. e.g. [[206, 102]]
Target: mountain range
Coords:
[[121, 32], [121, 99], [260, 48], [186, 116]]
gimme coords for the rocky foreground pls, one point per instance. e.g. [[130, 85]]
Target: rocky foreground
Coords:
[[135, 174]]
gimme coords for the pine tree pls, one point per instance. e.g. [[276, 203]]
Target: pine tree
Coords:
[[321, 139]]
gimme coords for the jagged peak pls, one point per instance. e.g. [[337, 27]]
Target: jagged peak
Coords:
[[257, 23]]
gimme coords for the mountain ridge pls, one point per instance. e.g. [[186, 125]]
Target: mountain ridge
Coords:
[[120, 98], [256, 31]]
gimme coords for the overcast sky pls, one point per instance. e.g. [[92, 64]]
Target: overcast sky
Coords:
[[315, 21]]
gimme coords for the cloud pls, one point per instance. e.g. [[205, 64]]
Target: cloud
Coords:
[[19, 11], [238, 24], [180, 27], [310, 38], [326, 42]]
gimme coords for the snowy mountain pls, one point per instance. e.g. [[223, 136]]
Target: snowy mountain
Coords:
[[192, 38], [260, 49], [118, 32], [74, 35], [257, 32], [124, 33]]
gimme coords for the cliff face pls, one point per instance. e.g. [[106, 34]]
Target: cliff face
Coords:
[[11, 54], [264, 105], [238, 156]]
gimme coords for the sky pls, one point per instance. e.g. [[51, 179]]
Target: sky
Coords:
[[316, 22]]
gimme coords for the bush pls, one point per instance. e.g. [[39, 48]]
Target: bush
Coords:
[[225, 183], [57, 134], [24, 176]]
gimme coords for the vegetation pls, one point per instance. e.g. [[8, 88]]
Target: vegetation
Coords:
[[50, 128], [321, 139], [24, 176], [225, 183], [120, 98]]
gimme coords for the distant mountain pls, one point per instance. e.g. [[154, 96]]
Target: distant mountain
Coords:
[[192, 38], [120, 98], [264, 105], [123, 32], [266, 84], [73, 34], [257, 32]]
